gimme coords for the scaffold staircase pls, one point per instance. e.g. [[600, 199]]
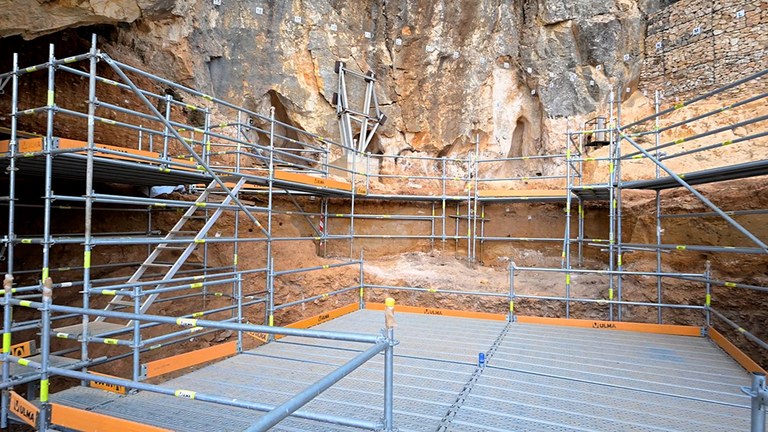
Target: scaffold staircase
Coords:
[[178, 231]]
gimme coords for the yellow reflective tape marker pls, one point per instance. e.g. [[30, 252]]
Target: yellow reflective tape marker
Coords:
[[201, 204], [205, 96], [6, 342], [324, 296], [186, 322], [680, 247], [726, 143], [198, 315], [23, 362], [339, 214], [45, 273], [234, 259], [44, 390], [741, 330], [109, 292], [511, 306], [62, 335], [154, 347], [730, 285], [50, 97], [31, 69], [186, 394], [610, 167], [708, 300], [196, 285], [679, 105], [70, 59], [567, 279], [110, 341], [610, 293], [432, 290], [680, 141], [326, 266], [25, 303], [26, 241], [271, 320], [619, 259], [637, 156], [190, 106], [198, 241]]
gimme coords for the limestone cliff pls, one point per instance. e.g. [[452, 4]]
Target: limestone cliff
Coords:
[[448, 70]]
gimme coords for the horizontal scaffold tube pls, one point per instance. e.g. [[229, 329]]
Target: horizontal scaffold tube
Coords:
[[317, 297], [608, 302], [611, 272], [435, 290], [188, 394], [185, 322], [740, 329], [321, 267], [290, 406]]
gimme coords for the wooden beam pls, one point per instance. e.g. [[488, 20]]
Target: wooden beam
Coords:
[[669, 329], [88, 421], [737, 354], [441, 312], [192, 358]]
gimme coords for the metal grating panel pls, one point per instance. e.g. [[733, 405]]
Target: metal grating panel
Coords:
[[541, 378]]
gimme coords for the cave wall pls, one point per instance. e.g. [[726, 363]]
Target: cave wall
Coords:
[[447, 70]]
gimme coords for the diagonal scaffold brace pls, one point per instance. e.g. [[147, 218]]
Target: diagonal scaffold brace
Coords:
[[178, 136]]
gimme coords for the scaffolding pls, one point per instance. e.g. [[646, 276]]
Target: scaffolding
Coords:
[[251, 169]]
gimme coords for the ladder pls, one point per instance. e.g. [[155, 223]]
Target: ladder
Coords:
[[186, 250]]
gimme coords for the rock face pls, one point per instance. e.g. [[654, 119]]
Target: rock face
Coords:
[[449, 71]]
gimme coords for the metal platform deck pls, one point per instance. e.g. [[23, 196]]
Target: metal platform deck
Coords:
[[538, 378]]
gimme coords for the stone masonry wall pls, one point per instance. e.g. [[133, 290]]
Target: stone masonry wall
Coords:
[[693, 46]]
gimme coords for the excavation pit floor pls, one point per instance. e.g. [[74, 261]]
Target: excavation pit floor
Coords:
[[537, 378]]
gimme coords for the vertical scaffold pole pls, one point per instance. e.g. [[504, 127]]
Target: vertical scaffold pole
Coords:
[[239, 298], [567, 239], [611, 198], [708, 295], [270, 184], [362, 281], [442, 164], [511, 315], [136, 371], [759, 395], [8, 281], [271, 294], [45, 337], [389, 362], [88, 217], [166, 130], [617, 209], [659, 289], [352, 205], [474, 205]]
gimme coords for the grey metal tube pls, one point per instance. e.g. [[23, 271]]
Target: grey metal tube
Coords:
[[222, 185], [279, 413], [630, 273], [698, 195], [419, 289], [322, 267], [759, 399], [389, 372], [699, 98], [342, 336], [740, 329], [8, 287], [317, 297]]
